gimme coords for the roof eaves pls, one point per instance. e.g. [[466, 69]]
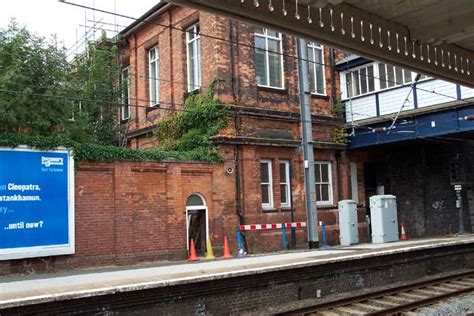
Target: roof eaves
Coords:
[[157, 9]]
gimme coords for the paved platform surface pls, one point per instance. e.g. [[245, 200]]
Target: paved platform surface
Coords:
[[33, 289]]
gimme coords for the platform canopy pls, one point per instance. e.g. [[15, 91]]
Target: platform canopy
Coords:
[[434, 37]]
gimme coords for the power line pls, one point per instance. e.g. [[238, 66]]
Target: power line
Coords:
[[239, 43]]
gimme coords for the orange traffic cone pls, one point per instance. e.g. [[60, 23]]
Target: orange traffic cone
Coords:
[[227, 254], [192, 252], [403, 235]]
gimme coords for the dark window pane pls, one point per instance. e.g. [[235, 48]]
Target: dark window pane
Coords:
[[275, 70], [265, 195], [390, 76], [318, 192], [317, 171], [283, 194], [370, 78], [355, 82], [194, 200], [382, 75], [325, 172], [407, 74], [324, 192], [399, 75], [363, 81], [283, 172], [260, 61], [272, 33], [264, 172], [259, 30]]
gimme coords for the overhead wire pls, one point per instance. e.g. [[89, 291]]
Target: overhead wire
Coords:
[[169, 26], [171, 81]]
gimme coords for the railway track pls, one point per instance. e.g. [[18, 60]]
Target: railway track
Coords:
[[402, 300]]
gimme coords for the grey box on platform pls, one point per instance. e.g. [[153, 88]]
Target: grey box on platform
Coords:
[[383, 215], [348, 224]]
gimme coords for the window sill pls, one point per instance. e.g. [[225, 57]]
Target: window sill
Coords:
[[125, 120], [287, 209], [325, 206], [192, 92], [152, 108], [319, 96], [269, 210], [272, 89]]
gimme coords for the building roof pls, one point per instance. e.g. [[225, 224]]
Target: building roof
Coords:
[[155, 10]]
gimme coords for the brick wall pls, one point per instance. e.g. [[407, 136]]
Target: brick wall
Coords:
[[130, 212]]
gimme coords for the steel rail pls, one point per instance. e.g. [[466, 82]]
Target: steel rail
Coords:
[[331, 306]]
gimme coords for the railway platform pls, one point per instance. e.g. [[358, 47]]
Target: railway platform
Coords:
[[239, 283]]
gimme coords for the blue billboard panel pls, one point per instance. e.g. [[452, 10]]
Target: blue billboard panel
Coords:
[[36, 203]]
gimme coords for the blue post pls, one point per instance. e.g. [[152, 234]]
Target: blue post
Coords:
[[324, 235], [283, 237], [241, 251]]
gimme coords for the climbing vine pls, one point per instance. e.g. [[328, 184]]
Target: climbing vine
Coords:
[[107, 153], [192, 128]]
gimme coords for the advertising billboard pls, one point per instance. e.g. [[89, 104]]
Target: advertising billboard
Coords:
[[36, 203]]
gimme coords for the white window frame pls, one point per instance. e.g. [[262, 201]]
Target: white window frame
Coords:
[[345, 80], [287, 183], [348, 78], [194, 83], [279, 38], [404, 82], [314, 47], [330, 190], [268, 205], [125, 99], [154, 83]]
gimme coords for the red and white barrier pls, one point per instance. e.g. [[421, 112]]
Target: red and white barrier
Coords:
[[272, 226]]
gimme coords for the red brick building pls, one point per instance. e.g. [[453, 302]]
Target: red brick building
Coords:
[[172, 51]]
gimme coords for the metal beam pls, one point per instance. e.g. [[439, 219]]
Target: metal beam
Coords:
[[352, 29]]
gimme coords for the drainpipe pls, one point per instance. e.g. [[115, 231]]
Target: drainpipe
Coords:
[[238, 175], [333, 75], [232, 60]]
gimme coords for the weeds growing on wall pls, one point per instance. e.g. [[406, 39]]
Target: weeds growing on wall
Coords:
[[191, 129], [106, 153]]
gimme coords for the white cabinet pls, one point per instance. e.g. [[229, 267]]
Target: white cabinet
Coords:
[[348, 226], [383, 215]]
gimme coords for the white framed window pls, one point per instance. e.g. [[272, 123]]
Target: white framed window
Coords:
[[323, 175], [193, 46], [268, 58], [316, 68], [391, 76], [154, 76], [360, 81], [125, 80], [266, 183], [285, 189]]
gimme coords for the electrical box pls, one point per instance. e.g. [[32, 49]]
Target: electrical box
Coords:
[[383, 215], [348, 224]]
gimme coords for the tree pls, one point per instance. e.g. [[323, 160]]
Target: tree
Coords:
[[41, 93], [96, 80], [32, 72]]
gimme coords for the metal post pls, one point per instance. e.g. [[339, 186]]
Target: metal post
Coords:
[[283, 238], [293, 229], [307, 135], [458, 189]]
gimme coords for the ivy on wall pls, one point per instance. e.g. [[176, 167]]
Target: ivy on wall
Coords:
[[106, 153], [191, 129]]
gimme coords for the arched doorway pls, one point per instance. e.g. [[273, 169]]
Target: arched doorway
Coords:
[[197, 227]]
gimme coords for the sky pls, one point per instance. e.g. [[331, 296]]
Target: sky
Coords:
[[47, 17]]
